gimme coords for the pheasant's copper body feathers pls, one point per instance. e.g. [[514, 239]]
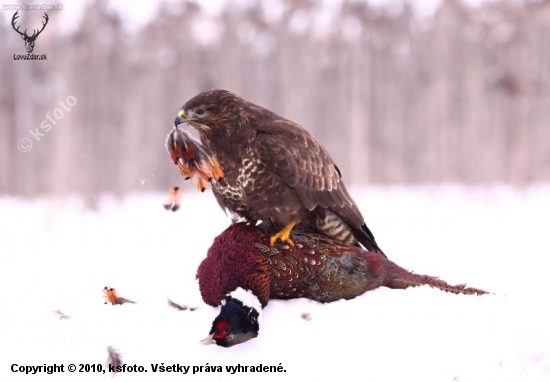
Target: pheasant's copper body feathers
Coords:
[[112, 298], [193, 160], [114, 359], [173, 203], [317, 267], [274, 170]]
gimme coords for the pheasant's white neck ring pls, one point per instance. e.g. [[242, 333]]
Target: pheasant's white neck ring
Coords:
[[247, 298]]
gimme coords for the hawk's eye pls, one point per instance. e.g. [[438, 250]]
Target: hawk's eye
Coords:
[[200, 111]]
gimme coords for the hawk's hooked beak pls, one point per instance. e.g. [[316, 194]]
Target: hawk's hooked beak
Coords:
[[180, 118]]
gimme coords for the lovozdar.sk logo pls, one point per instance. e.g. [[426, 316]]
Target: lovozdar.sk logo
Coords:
[[29, 40]]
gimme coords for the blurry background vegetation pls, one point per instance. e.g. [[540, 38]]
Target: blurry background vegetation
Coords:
[[461, 96]]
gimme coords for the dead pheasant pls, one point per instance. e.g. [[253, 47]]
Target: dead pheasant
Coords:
[[241, 259], [193, 159]]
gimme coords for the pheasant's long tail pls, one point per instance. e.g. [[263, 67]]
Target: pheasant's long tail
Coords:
[[396, 277], [414, 280]]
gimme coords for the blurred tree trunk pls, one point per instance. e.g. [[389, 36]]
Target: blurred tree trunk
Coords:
[[462, 96]]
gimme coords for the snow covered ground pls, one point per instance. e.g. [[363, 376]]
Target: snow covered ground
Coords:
[[54, 255]]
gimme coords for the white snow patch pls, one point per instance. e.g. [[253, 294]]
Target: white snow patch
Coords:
[[55, 255]]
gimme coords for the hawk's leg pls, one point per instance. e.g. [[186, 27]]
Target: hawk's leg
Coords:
[[283, 234]]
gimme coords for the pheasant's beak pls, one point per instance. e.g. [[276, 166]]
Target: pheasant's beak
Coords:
[[208, 340]]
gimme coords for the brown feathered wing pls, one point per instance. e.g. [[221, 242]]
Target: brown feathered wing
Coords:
[[294, 155]]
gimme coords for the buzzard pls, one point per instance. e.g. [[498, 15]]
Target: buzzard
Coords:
[[274, 170]]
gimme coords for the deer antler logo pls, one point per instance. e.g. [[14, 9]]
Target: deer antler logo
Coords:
[[29, 40]]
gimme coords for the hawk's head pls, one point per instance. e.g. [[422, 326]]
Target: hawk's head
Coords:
[[214, 112]]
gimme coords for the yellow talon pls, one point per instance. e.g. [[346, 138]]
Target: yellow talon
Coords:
[[284, 235]]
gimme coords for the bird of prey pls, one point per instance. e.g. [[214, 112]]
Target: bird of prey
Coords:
[[274, 170], [242, 272]]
